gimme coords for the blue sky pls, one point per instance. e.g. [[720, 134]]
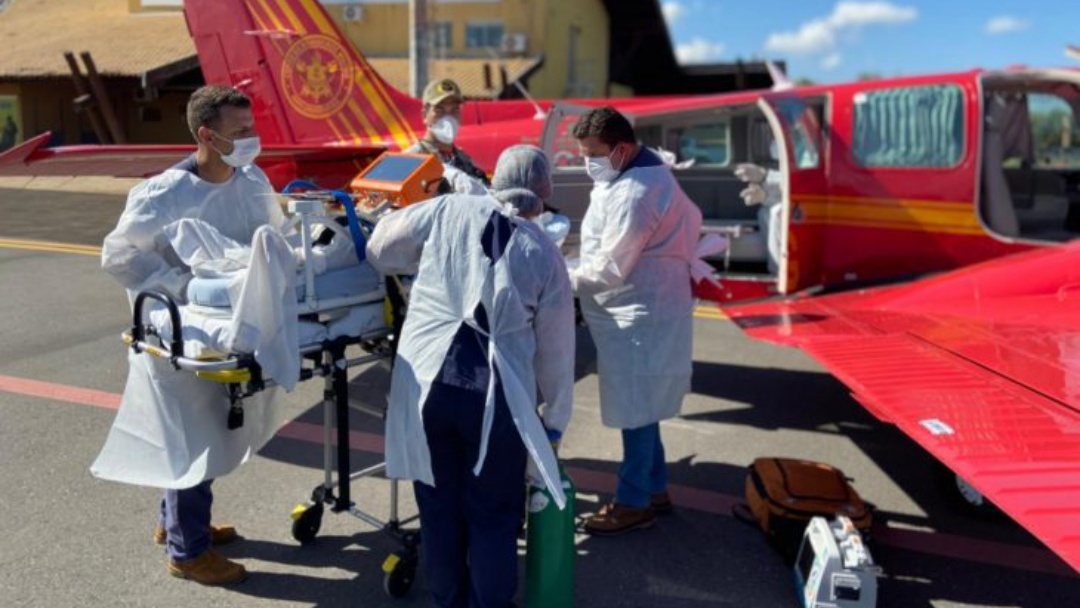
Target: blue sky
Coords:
[[829, 41]]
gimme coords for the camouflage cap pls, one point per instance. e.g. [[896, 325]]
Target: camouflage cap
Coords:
[[438, 90]]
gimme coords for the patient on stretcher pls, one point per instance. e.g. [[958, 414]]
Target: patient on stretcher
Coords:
[[244, 299]]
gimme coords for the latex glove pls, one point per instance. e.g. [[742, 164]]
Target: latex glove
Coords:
[[751, 173], [532, 475], [754, 195]]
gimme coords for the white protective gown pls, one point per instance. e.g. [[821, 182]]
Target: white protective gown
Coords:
[[770, 218], [528, 300], [638, 240], [170, 431]]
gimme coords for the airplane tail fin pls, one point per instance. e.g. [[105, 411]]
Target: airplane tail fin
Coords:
[[1072, 51], [308, 84]]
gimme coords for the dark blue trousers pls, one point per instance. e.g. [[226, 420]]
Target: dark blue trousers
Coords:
[[469, 523], [186, 517]]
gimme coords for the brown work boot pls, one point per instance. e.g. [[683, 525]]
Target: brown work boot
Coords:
[[219, 535], [210, 568], [614, 519], [661, 503]]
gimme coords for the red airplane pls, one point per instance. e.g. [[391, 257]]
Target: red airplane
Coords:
[[880, 180], [980, 366]]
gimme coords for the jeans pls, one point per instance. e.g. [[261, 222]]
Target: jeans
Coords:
[[186, 517], [643, 471]]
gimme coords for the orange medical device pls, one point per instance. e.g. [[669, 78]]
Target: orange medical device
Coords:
[[398, 179]]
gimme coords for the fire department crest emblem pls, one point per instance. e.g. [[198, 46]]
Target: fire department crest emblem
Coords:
[[317, 76]]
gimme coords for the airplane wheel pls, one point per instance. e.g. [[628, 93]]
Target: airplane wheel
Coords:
[[307, 519], [963, 495], [399, 571]]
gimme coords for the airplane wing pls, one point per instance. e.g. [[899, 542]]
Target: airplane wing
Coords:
[[327, 165], [980, 366]]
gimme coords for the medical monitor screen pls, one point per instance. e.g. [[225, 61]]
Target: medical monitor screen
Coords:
[[394, 168]]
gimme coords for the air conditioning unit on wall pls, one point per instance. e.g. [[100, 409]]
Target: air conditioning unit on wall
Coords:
[[515, 43], [352, 13]]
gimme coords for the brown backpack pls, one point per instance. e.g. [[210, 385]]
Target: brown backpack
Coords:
[[782, 494]]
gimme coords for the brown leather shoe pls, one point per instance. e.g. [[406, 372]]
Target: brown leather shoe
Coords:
[[614, 519], [219, 535], [210, 568], [661, 503]]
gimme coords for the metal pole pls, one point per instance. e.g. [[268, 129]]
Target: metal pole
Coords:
[[418, 46]]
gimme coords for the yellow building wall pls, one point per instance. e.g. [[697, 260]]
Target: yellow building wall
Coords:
[[576, 33], [548, 25], [384, 28]]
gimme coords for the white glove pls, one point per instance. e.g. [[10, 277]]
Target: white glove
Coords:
[[750, 173], [754, 195]]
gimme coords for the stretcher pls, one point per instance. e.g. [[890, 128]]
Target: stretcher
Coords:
[[335, 315]]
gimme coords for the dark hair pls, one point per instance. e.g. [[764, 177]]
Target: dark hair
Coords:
[[606, 124], [204, 106]]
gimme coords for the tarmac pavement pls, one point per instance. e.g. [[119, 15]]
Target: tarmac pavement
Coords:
[[67, 539]]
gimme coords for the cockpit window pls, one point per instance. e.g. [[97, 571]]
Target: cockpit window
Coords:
[[1055, 134]]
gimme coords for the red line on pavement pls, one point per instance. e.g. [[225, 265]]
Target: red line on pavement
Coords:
[[59, 392], [935, 543]]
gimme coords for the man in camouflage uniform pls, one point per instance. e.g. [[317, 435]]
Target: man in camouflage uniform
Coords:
[[442, 117]]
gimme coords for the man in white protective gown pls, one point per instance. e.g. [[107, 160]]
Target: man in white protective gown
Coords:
[[490, 321], [638, 240], [171, 430]]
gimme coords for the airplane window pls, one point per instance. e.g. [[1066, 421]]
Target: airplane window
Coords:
[[909, 127], [1055, 134], [565, 152], [708, 144], [793, 112]]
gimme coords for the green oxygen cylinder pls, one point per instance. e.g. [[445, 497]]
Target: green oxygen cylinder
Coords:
[[550, 550]]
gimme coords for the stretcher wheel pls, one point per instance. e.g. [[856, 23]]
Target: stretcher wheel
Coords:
[[306, 522], [399, 571]]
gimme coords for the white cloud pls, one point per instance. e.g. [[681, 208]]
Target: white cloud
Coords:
[[699, 50], [832, 61], [1006, 24], [820, 36], [813, 37], [672, 12], [855, 14]]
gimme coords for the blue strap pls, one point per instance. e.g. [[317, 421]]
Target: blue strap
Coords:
[[354, 224]]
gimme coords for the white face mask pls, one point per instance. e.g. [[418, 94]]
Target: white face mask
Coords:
[[601, 168], [245, 151], [445, 129]]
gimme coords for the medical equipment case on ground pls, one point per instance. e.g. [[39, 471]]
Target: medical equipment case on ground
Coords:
[[783, 494], [834, 568]]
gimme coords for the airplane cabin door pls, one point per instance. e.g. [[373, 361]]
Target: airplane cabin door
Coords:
[[800, 232]]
